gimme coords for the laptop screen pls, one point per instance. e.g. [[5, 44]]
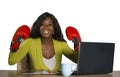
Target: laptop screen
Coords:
[[95, 58]]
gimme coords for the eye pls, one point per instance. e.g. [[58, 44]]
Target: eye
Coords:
[[50, 24]]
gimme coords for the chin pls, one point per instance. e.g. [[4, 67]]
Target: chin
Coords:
[[47, 36]]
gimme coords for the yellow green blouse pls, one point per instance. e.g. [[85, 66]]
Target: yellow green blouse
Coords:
[[33, 48]]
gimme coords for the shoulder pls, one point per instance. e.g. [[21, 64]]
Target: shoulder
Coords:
[[57, 42], [30, 41]]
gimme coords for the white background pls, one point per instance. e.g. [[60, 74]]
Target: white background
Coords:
[[96, 20]]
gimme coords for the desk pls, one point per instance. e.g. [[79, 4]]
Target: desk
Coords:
[[13, 73]]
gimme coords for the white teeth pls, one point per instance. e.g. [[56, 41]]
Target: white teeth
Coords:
[[46, 31]]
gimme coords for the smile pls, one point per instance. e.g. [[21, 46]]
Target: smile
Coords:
[[46, 31]]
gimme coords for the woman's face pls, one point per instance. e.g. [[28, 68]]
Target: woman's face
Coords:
[[47, 28]]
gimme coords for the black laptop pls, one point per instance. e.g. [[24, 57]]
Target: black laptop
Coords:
[[95, 58]]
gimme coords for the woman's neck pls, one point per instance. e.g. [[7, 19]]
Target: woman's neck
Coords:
[[46, 40]]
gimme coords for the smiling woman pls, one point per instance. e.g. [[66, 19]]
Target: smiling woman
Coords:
[[47, 30], [44, 46]]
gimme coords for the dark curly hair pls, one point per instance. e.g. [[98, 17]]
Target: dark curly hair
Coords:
[[35, 32]]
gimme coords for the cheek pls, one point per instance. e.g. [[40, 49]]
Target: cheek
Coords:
[[53, 31], [51, 28]]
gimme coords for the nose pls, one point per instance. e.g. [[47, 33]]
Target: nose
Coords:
[[45, 26]]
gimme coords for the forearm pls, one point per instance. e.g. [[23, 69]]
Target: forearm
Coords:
[[15, 57]]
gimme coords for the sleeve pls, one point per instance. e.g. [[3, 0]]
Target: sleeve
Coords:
[[15, 57], [69, 53]]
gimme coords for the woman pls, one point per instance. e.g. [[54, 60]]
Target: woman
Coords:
[[44, 46]]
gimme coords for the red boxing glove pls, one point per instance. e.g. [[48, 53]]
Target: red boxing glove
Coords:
[[73, 34], [21, 34]]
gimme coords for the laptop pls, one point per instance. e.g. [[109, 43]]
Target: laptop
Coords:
[[95, 58]]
